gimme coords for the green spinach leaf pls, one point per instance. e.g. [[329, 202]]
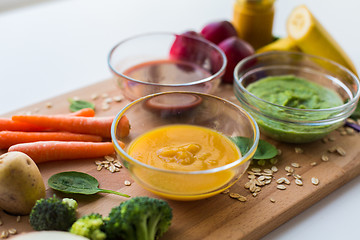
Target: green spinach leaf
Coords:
[[77, 182], [265, 150], [76, 105]]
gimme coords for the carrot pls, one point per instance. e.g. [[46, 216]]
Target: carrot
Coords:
[[9, 138], [45, 151], [123, 127], [100, 126], [7, 124], [85, 112], [11, 125]]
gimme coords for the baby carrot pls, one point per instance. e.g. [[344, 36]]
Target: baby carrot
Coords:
[[85, 112], [45, 151], [10, 125], [9, 138], [100, 126]]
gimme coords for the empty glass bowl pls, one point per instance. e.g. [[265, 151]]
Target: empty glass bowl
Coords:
[[290, 124], [159, 62], [188, 108]]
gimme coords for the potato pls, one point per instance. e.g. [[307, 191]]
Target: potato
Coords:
[[21, 183]]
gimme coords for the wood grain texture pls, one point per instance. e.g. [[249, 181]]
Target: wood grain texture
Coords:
[[219, 217]]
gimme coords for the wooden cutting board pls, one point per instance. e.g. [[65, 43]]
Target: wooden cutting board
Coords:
[[219, 217]]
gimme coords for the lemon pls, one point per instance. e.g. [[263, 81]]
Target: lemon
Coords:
[[312, 38], [282, 44]]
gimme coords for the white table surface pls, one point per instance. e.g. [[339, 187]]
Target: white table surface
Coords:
[[58, 46]]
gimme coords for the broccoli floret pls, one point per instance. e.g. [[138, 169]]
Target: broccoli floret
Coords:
[[89, 226], [140, 218], [53, 214]]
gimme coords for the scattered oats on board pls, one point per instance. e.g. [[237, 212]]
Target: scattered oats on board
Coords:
[[226, 191], [242, 198], [127, 183], [272, 200], [295, 165], [49, 105], [332, 149], [4, 234], [313, 163], [105, 106], [298, 182], [234, 195], [118, 98], [289, 169], [341, 151], [283, 180], [110, 163], [279, 151], [269, 171], [281, 187], [12, 231], [94, 96], [343, 132], [315, 181], [18, 218], [299, 150], [274, 169], [261, 178], [350, 131], [297, 176], [324, 158]]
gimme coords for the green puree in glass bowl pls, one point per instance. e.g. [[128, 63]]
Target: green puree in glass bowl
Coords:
[[294, 93]]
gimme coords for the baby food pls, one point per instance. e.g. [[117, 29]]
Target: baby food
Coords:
[[175, 152], [296, 93], [184, 148]]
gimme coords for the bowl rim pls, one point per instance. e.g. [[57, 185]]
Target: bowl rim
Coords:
[[243, 159], [218, 74], [238, 81]]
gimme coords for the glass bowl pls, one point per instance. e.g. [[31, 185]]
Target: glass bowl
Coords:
[[290, 124], [194, 109], [160, 62]]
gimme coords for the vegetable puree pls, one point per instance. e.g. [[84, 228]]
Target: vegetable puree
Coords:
[[184, 148], [295, 92]]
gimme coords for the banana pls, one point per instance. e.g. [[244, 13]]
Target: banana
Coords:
[[312, 38], [282, 44]]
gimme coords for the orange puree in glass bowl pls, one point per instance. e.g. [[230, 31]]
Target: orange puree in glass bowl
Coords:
[[186, 148]]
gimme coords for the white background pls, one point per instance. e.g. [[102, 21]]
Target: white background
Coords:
[[55, 46]]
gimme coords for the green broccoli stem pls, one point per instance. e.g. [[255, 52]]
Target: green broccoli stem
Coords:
[[148, 227], [113, 192], [153, 226]]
